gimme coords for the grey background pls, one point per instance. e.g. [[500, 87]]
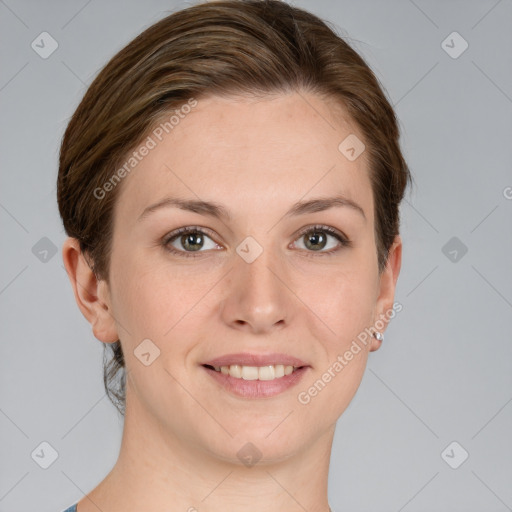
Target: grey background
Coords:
[[443, 373]]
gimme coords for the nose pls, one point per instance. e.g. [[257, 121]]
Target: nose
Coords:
[[257, 297]]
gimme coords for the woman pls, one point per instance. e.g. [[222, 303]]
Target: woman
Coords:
[[230, 184]]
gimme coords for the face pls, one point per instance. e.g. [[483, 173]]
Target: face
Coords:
[[257, 275]]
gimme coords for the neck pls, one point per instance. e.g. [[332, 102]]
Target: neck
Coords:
[[158, 469]]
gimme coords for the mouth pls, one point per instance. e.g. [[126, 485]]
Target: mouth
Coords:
[[262, 373], [255, 382]]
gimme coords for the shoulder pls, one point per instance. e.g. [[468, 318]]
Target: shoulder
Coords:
[[71, 509]]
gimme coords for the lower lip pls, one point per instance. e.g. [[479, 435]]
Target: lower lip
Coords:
[[257, 388]]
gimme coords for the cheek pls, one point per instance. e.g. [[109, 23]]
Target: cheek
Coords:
[[347, 310], [157, 300], [329, 394], [138, 299], [343, 301]]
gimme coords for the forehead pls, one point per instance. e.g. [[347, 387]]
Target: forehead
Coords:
[[250, 153]]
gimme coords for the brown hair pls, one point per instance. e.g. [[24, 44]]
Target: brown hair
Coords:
[[216, 48]]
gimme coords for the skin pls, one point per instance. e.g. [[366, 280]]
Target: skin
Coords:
[[182, 430]]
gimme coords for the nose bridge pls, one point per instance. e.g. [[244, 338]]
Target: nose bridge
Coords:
[[257, 296], [256, 273]]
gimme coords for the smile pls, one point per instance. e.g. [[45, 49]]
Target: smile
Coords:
[[256, 381], [268, 372]]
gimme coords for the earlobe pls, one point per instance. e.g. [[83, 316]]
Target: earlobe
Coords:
[[386, 292], [377, 339], [91, 294]]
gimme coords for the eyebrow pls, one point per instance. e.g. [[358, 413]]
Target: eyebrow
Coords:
[[219, 211]]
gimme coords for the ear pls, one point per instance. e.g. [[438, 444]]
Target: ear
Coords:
[[387, 285], [91, 295]]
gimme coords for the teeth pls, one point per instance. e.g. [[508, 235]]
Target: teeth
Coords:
[[269, 372]]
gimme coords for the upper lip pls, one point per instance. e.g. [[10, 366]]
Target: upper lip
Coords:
[[248, 359]]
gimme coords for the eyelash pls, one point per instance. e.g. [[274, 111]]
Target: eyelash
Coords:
[[344, 241]]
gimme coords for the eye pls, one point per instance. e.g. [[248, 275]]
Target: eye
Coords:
[[316, 239], [188, 240], [192, 239]]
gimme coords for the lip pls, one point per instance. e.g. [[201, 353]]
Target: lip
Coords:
[[256, 388], [248, 359]]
